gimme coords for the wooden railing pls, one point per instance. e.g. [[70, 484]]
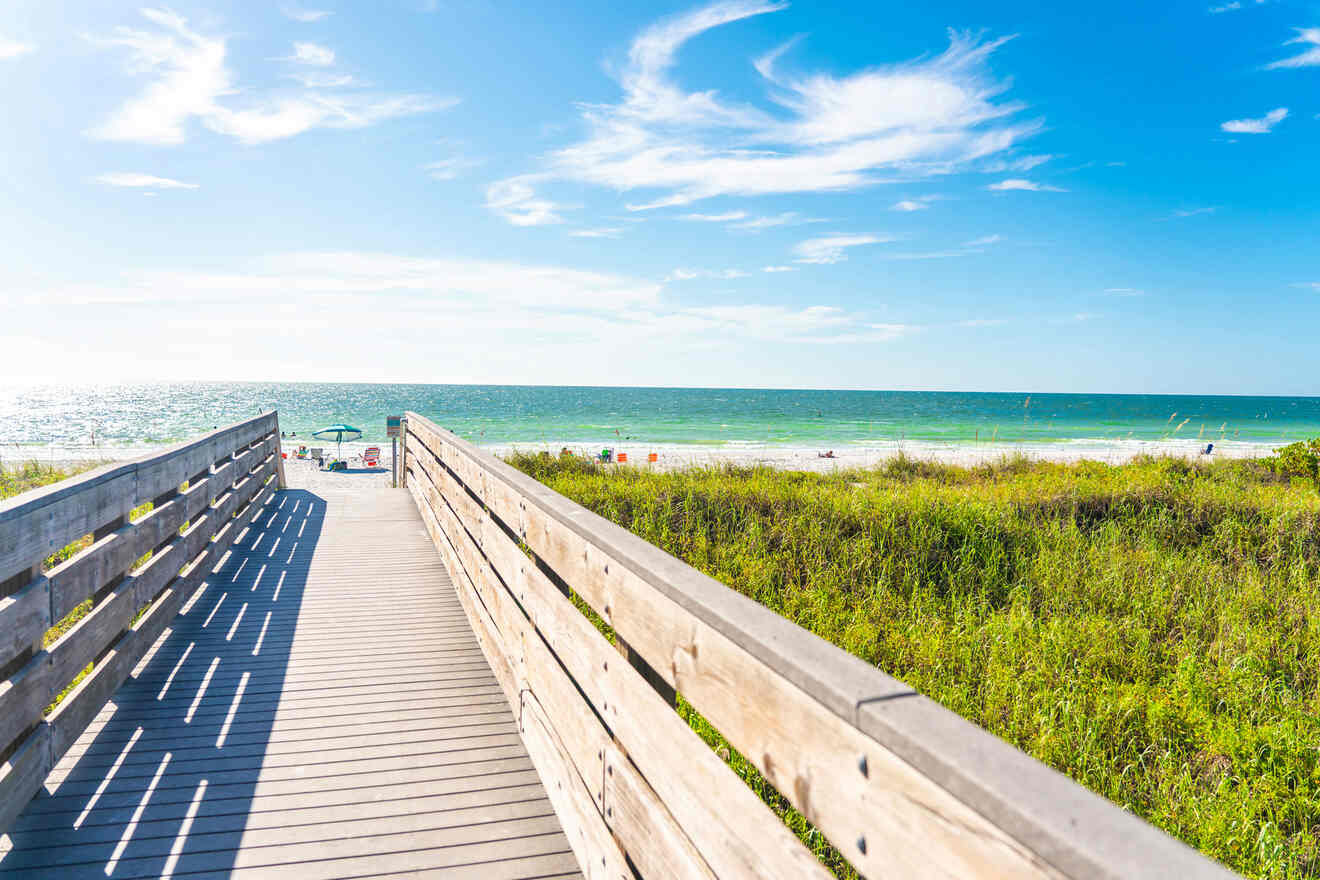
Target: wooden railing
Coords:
[[900, 786], [229, 474]]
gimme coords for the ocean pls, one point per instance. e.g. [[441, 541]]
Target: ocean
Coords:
[[116, 421]]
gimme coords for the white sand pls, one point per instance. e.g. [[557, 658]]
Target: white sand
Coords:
[[674, 456]]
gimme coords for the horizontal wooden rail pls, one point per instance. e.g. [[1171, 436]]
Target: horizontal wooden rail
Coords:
[[229, 474], [901, 786]]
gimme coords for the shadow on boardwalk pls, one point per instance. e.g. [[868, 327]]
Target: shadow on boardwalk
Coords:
[[195, 725], [321, 709]]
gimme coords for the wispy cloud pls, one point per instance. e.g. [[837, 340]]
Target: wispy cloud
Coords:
[[1017, 183], [311, 53], [323, 79], [13, 48], [145, 181], [1191, 212], [1309, 58], [1233, 6], [813, 324], [779, 269], [743, 220], [307, 16], [787, 218], [1124, 291], [718, 274], [610, 232], [190, 80], [1021, 163], [919, 203], [1313, 285], [726, 217], [516, 201], [912, 119], [451, 168], [984, 241], [832, 248], [1263, 125]]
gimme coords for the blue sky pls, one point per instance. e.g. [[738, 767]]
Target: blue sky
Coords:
[[1010, 196]]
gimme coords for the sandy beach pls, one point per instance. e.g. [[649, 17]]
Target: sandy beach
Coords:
[[780, 457]]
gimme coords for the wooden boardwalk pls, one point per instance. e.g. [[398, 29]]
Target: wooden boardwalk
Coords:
[[320, 709]]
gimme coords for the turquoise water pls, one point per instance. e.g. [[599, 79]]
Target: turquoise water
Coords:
[[67, 417]]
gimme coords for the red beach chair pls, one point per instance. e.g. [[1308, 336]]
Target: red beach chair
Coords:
[[371, 458]]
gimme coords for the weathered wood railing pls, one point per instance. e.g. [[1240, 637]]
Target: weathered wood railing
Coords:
[[229, 475], [899, 785]]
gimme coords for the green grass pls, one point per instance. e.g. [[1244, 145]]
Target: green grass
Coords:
[[1149, 629]]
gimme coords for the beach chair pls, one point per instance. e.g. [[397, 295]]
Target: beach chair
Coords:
[[371, 457], [316, 454]]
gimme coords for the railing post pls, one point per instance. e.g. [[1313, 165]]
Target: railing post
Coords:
[[279, 452], [403, 452]]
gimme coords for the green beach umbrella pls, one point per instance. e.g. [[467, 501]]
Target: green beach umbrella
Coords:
[[338, 433]]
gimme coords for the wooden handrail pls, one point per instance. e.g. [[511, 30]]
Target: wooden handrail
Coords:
[[230, 474], [899, 785]]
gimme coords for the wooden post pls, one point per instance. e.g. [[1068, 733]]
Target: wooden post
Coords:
[[279, 453], [403, 453], [394, 462]]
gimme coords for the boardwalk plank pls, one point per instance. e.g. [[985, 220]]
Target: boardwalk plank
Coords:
[[321, 708]]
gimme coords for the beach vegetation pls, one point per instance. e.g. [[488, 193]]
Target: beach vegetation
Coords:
[[1150, 629]]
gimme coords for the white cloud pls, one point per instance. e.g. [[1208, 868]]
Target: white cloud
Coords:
[[1124, 291], [779, 269], [718, 274], [128, 179], [911, 119], [814, 324], [311, 53], [343, 274], [1309, 58], [1190, 212], [1314, 285], [451, 168], [983, 241], [743, 220], [307, 16], [1021, 163], [461, 299], [13, 49], [832, 248], [726, 217], [1227, 7], [787, 218], [320, 79], [610, 232], [189, 80], [920, 203], [1020, 184], [515, 200], [1256, 126]]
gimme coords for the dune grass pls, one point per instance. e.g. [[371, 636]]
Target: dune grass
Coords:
[[1149, 629]]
